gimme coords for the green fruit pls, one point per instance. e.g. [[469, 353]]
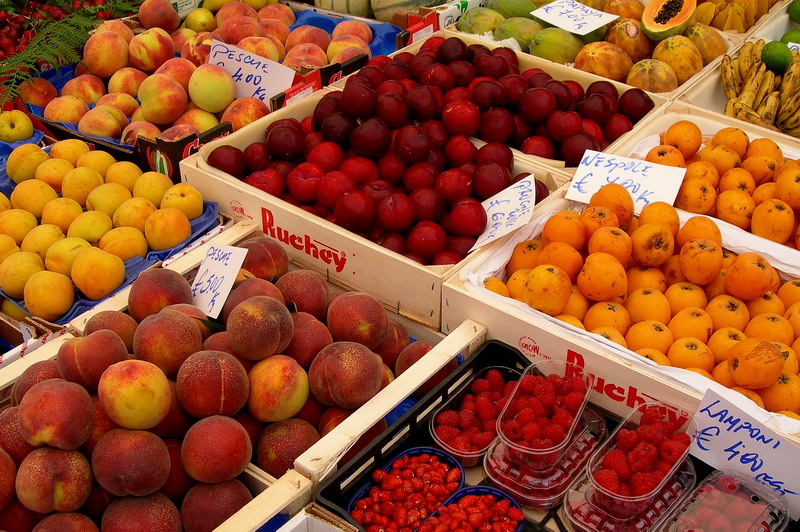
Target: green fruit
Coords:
[[523, 30], [557, 45], [791, 36], [479, 20], [777, 56], [794, 11], [512, 8]]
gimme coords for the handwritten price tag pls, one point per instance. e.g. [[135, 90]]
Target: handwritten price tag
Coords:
[[647, 182], [573, 16], [215, 278], [507, 210], [255, 76], [730, 441]]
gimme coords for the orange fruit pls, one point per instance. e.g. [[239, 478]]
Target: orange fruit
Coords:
[[607, 314], [660, 212], [596, 217], [761, 167], [764, 192], [632, 225], [776, 280], [700, 260], [646, 277], [696, 195], [727, 311], [577, 304], [787, 187], [704, 170], [722, 340], [700, 371], [754, 363], [735, 207], [655, 355], [764, 146], [688, 352], [493, 284], [649, 334], [698, 227], [611, 240], [685, 136], [652, 244], [516, 284], [789, 292], [785, 165], [750, 394], [774, 220], [648, 304], [772, 327], [737, 179], [524, 256], [547, 289], [672, 270], [572, 320], [748, 277], [722, 374], [684, 295], [716, 287], [733, 138], [602, 278], [565, 226], [793, 415], [727, 258], [792, 315], [666, 155], [769, 302], [722, 157], [618, 199], [610, 333], [790, 361], [692, 321], [783, 394], [564, 256]]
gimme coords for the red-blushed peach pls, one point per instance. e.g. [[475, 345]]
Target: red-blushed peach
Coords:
[[396, 340], [212, 88], [195, 314], [335, 415], [53, 479], [278, 388], [235, 29], [98, 123], [196, 49], [306, 34], [154, 513], [8, 474], [212, 383], [388, 376], [278, 11], [100, 426], [177, 420], [96, 504], [17, 518], [68, 522], [348, 53], [243, 111], [159, 14], [155, 289], [11, 439], [250, 424], [353, 27], [131, 462], [219, 342], [135, 394], [331, 418], [234, 9], [197, 118], [178, 482], [207, 506], [358, 317], [309, 337], [37, 91], [120, 100], [346, 41], [179, 69], [126, 80], [259, 327], [56, 413], [414, 352], [216, 449], [65, 108], [279, 46], [307, 50], [139, 128], [276, 28], [178, 132], [307, 289], [282, 442], [36, 373], [181, 36], [117, 26], [87, 88], [167, 339], [150, 49], [163, 99], [115, 321], [83, 360], [245, 290], [266, 258], [345, 374], [104, 53]]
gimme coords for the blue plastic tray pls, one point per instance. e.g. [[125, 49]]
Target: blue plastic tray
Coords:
[[7, 147], [383, 33]]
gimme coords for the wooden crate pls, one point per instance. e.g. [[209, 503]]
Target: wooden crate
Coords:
[[45, 348]]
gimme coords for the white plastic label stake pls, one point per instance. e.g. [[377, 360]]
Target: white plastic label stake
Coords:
[[572, 16], [731, 441], [508, 210], [215, 278], [645, 181], [255, 76]]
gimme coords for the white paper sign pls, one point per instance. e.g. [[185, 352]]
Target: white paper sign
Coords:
[[215, 278], [573, 16], [507, 210], [645, 181], [255, 76], [731, 441], [794, 46]]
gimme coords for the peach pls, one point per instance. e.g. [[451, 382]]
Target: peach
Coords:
[[311, 411], [166, 339], [387, 377], [309, 337], [122, 101], [345, 374], [216, 449], [212, 383], [49, 295], [396, 340], [266, 258], [278, 388], [11, 439], [302, 63], [116, 112], [196, 314], [36, 373], [307, 49], [277, 11], [8, 473], [346, 54], [123, 173], [56, 413], [306, 34], [65, 109], [99, 123], [207, 506], [97, 273], [159, 14], [135, 394], [155, 289], [346, 41], [96, 504], [250, 424], [54, 480], [353, 27], [66, 522], [331, 418], [358, 317], [282, 442], [243, 111], [17, 518], [179, 70], [87, 88], [212, 88], [260, 46], [237, 28], [178, 482], [200, 19], [116, 26], [115, 321], [278, 46], [277, 28], [131, 462], [181, 36], [104, 53], [167, 228], [178, 132], [101, 425], [163, 99], [83, 360], [177, 421], [198, 119], [307, 289], [154, 513], [196, 49], [259, 327], [126, 80], [235, 9], [247, 289], [37, 91], [150, 49], [414, 352], [219, 342], [137, 129]]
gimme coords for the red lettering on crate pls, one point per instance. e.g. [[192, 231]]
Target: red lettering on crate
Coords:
[[311, 247], [528, 345]]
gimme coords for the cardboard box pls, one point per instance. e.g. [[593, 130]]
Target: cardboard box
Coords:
[[422, 21]]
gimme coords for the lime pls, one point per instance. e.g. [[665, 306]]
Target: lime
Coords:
[[791, 36], [794, 10], [777, 56]]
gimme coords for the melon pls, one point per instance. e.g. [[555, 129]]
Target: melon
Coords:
[[665, 18], [512, 8], [385, 9], [681, 54], [358, 8], [652, 75], [708, 40]]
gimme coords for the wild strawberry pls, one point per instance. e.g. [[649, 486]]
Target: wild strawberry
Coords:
[[466, 418], [501, 507], [485, 409], [480, 385], [616, 461], [563, 418], [525, 416], [671, 451], [495, 380], [607, 479], [651, 434], [482, 440], [643, 457], [546, 393], [515, 514], [643, 483], [627, 440], [727, 484], [573, 401], [446, 433], [448, 417], [531, 431]]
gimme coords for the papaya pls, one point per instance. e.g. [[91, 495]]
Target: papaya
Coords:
[[665, 18], [681, 54], [604, 59], [594, 35], [709, 42], [555, 44], [512, 8], [627, 34], [479, 20], [625, 8], [523, 30], [652, 75]]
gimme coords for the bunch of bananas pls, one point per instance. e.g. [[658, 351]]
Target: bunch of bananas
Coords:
[[732, 15], [758, 95]]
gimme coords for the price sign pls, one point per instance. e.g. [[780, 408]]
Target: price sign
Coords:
[[647, 182], [794, 46], [573, 16], [507, 210], [729, 440], [215, 278], [255, 76]]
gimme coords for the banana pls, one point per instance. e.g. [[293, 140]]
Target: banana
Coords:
[[729, 108], [764, 88], [745, 58], [792, 122], [751, 85], [746, 113], [790, 82], [737, 73], [786, 110], [758, 46], [795, 131], [729, 84], [768, 109]]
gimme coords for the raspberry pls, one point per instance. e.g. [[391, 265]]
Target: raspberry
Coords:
[[531, 431], [625, 491], [489, 425], [681, 437], [554, 432], [651, 434], [448, 417], [485, 409], [540, 443], [527, 384], [671, 451], [480, 385], [460, 444], [555, 380], [525, 416], [573, 401], [727, 484], [643, 457], [536, 405], [662, 467], [495, 380], [627, 440], [470, 432], [607, 479], [563, 418], [616, 461], [466, 418], [577, 385], [651, 414], [446, 433], [546, 393], [719, 523], [482, 439], [509, 388], [501, 404], [643, 483]]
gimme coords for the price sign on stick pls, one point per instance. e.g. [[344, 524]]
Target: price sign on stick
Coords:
[[215, 278], [255, 76], [507, 210], [645, 181], [572, 16], [730, 440]]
